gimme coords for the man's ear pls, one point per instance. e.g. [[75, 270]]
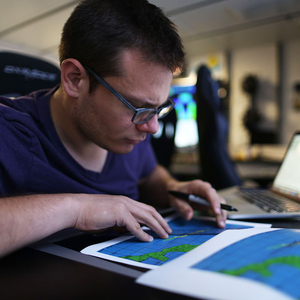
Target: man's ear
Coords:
[[74, 77]]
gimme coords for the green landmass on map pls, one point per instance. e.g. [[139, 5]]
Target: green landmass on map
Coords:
[[160, 255], [262, 268]]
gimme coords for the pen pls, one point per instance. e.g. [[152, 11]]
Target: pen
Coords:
[[196, 199]]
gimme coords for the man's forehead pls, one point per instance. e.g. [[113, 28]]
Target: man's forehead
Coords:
[[143, 83], [134, 60]]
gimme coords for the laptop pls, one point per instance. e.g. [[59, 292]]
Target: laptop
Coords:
[[281, 200]]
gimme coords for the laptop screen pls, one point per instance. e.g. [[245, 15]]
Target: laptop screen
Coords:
[[287, 180]]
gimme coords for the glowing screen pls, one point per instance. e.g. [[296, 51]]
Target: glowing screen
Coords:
[[186, 110]]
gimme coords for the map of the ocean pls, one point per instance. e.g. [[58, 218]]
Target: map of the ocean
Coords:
[[186, 236], [272, 258]]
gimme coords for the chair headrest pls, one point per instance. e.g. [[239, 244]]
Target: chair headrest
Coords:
[[21, 74]]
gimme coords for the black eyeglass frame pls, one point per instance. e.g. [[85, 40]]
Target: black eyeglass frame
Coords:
[[137, 111]]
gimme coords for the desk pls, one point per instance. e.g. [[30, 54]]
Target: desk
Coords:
[[33, 274]]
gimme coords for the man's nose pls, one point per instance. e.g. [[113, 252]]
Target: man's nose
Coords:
[[150, 127]]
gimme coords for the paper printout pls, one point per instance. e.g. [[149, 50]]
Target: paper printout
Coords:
[[186, 236], [244, 264]]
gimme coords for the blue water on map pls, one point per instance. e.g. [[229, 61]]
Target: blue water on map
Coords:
[[272, 258], [159, 251]]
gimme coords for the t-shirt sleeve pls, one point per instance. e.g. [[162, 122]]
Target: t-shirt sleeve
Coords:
[[15, 159]]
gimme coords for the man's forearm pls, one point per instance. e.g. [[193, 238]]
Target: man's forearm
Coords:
[[27, 219], [154, 188]]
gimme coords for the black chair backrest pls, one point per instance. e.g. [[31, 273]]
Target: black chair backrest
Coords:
[[22, 74], [215, 163]]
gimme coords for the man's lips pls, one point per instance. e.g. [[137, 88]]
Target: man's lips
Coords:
[[134, 141]]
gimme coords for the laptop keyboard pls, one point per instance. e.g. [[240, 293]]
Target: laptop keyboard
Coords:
[[269, 202]]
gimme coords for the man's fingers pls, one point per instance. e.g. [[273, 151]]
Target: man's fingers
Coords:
[[221, 221], [154, 225], [97, 214], [183, 208], [134, 227], [161, 221], [147, 215], [155, 222], [204, 190]]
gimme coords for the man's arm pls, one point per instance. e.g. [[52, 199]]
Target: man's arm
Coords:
[[27, 219], [154, 190]]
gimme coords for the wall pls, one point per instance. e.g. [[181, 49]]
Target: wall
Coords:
[[262, 62], [217, 62], [291, 120], [5, 46]]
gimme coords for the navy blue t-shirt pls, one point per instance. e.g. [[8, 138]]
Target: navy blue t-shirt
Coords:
[[33, 160]]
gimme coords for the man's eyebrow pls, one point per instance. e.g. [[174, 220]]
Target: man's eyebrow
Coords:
[[139, 103], [142, 103]]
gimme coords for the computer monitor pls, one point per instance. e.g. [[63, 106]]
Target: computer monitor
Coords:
[[186, 109]]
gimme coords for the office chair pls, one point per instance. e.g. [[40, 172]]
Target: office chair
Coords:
[[22, 74], [215, 164]]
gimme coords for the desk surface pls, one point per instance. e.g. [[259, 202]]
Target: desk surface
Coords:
[[33, 274], [55, 269]]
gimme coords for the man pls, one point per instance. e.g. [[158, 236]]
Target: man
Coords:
[[79, 155]]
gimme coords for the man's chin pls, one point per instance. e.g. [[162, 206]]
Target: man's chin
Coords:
[[124, 149]]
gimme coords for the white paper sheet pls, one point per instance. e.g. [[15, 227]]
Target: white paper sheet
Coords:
[[265, 261], [187, 235]]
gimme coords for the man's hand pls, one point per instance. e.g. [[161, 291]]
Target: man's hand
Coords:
[[202, 189], [157, 185], [27, 219], [96, 212]]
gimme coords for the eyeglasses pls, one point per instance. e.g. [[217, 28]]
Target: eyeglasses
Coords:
[[141, 115]]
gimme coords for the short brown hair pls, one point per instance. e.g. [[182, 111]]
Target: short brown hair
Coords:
[[98, 31]]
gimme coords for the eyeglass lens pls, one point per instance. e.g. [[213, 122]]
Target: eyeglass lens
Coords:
[[144, 116]]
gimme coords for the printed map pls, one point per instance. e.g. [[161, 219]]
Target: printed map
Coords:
[[272, 258], [186, 236]]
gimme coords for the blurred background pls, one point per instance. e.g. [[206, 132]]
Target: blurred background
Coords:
[[252, 51]]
